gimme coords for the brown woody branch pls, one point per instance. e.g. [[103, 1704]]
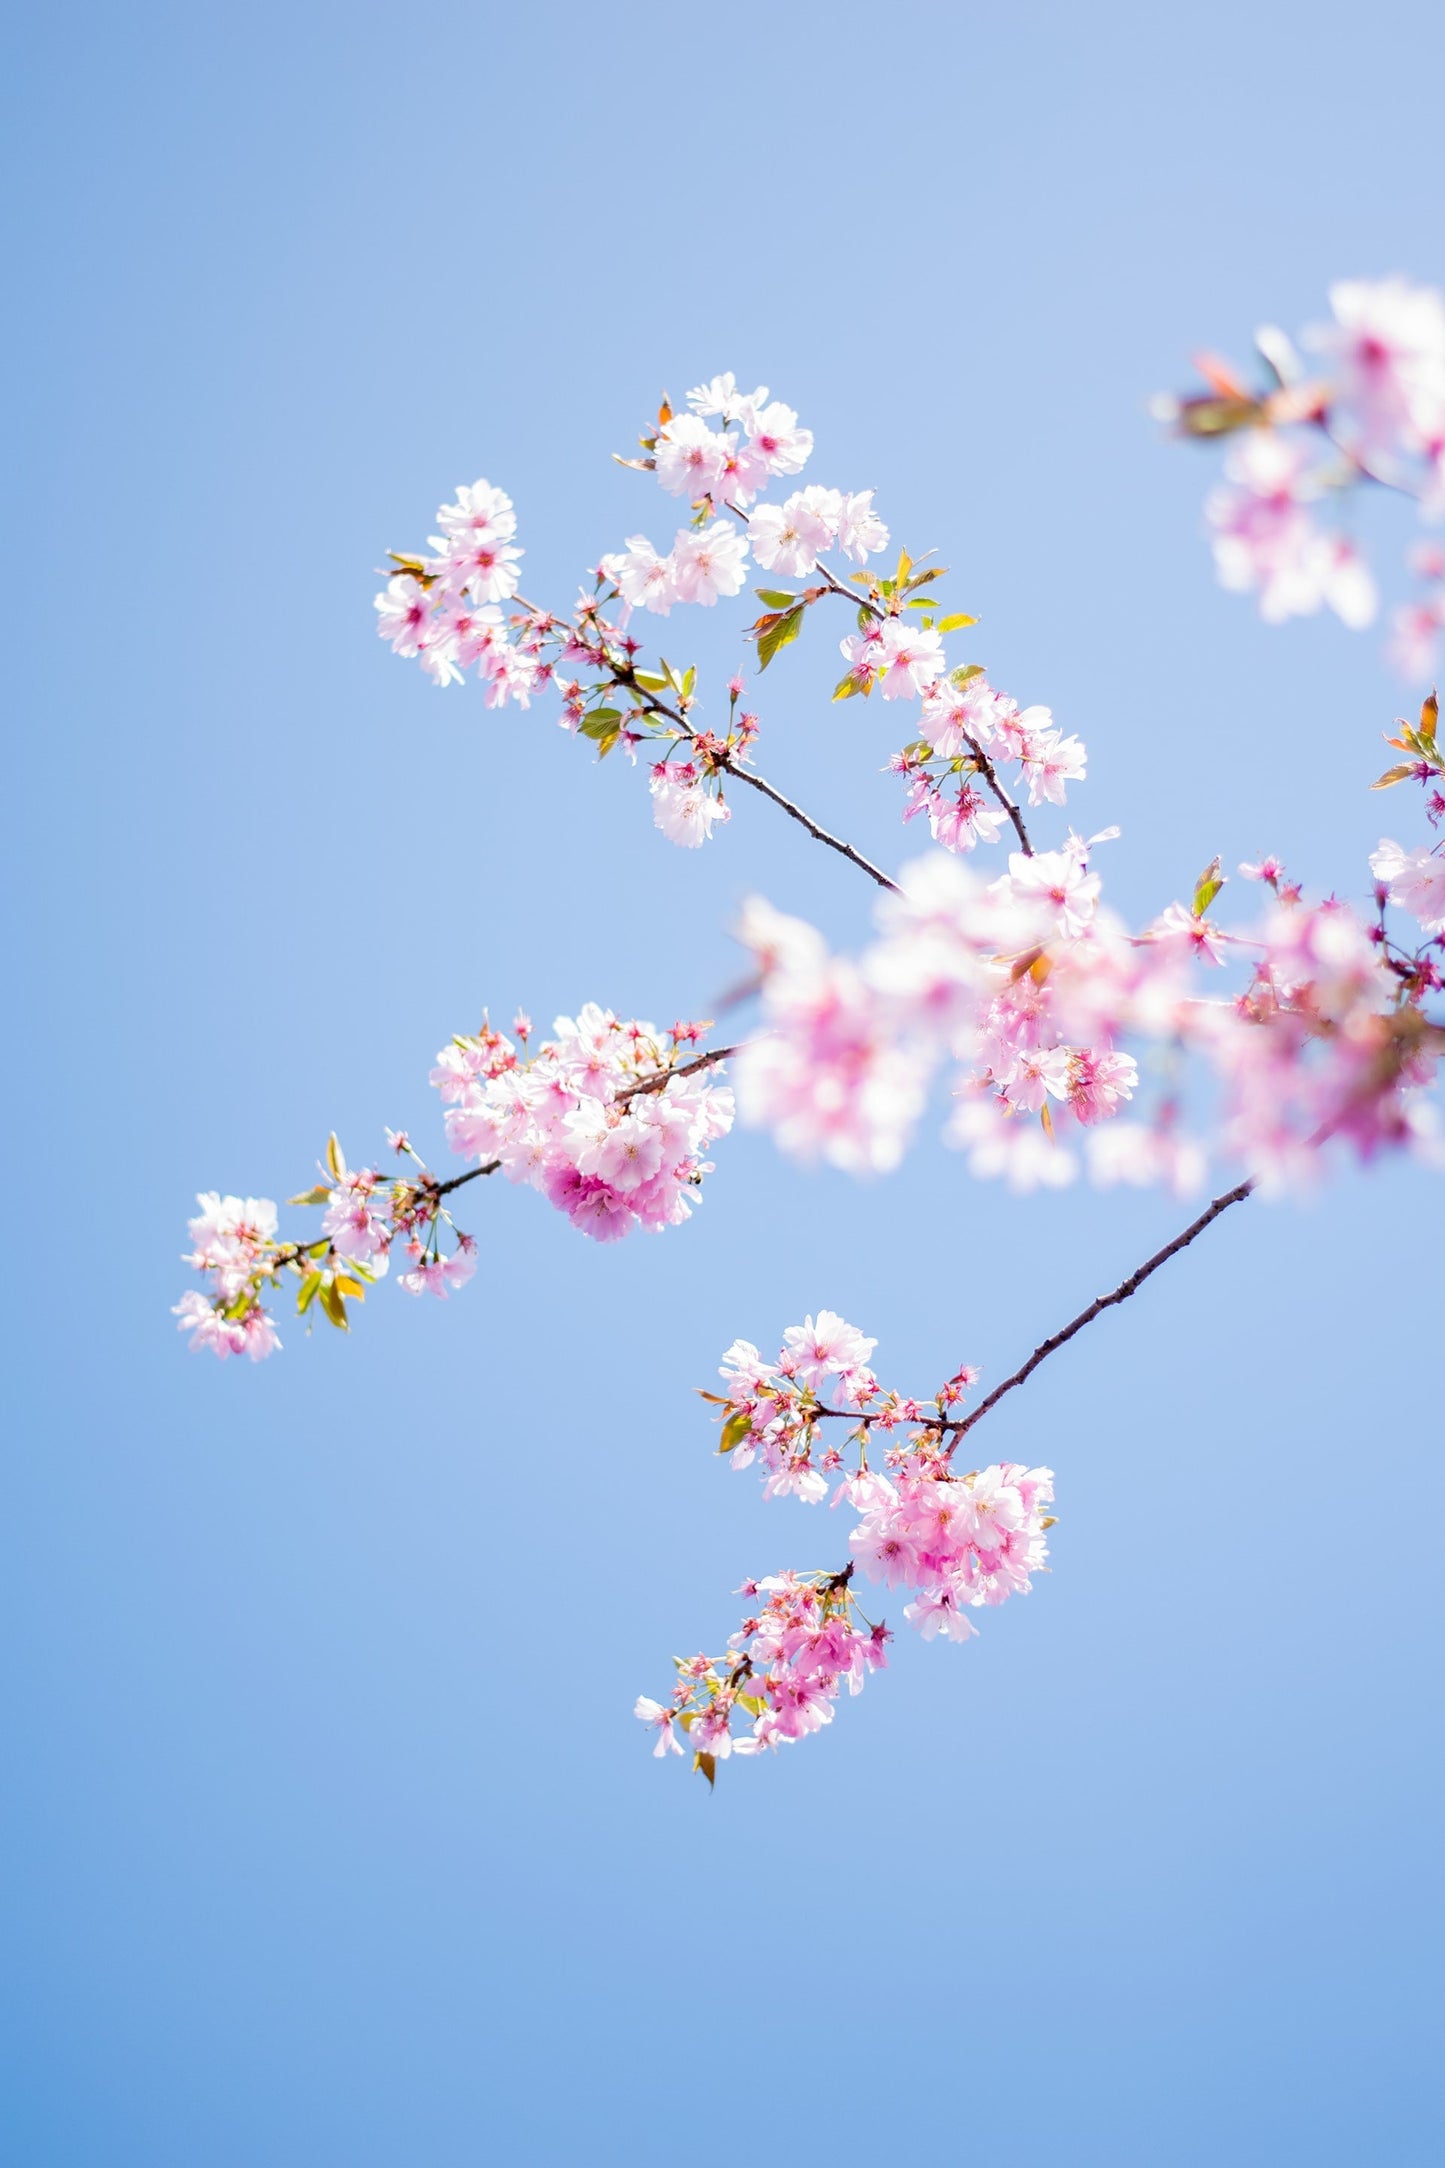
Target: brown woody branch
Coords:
[[979, 757]]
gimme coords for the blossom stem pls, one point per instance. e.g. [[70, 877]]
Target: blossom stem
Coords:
[[1121, 1293], [805, 820], [664, 1077], [444, 1189], [981, 760], [627, 679], [1126, 1288]]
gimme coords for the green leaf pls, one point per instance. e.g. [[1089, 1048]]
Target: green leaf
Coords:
[[847, 686], [779, 635], [1429, 717], [865, 617], [955, 621], [1207, 887], [334, 1158], [776, 598], [351, 1287], [905, 566], [333, 1305], [306, 1293], [707, 1763], [604, 727], [967, 670], [651, 681], [318, 1195], [1216, 417], [753, 1703], [734, 1430], [1394, 775]]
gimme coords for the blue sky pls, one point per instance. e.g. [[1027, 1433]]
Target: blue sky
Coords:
[[328, 1832]]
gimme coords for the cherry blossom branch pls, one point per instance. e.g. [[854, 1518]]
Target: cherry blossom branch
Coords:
[[627, 679], [663, 1078], [980, 758], [960, 1426], [444, 1189], [805, 820], [604, 1086], [1375, 400], [1096, 1308]]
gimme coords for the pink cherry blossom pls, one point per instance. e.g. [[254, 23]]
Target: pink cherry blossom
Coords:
[[479, 510], [956, 1540], [682, 807], [773, 433], [790, 537], [592, 1118], [909, 660], [825, 1348], [644, 579], [710, 563], [1188, 934], [1266, 540], [405, 615], [1415, 880], [1386, 350], [861, 534], [661, 1721], [689, 455], [1059, 881]]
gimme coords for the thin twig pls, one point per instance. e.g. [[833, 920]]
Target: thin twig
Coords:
[[664, 1077], [805, 820], [627, 679], [980, 758], [649, 1084], [1121, 1293], [444, 1189], [960, 1425]]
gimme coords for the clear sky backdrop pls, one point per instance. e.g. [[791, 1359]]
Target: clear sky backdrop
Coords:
[[330, 1836]]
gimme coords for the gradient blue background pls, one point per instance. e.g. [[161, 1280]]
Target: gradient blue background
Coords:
[[329, 1837]]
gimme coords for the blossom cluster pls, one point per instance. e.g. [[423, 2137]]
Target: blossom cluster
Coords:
[[1029, 987], [1416, 627], [607, 1118], [1067, 1038], [1369, 409], [241, 1258], [445, 610], [235, 1247], [971, 732], [956, 1541], [779, 1677]]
